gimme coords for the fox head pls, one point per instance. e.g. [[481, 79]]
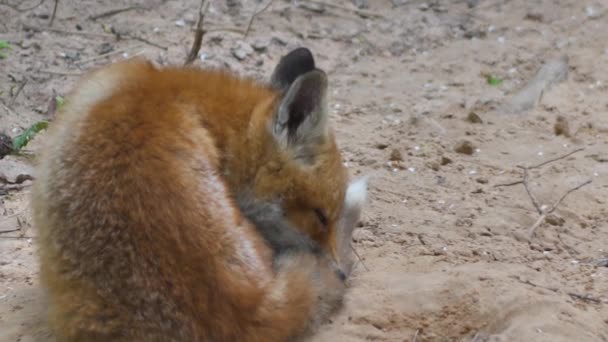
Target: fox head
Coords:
[[303, 166]]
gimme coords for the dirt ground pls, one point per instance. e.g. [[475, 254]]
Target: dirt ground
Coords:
[[446, 254]]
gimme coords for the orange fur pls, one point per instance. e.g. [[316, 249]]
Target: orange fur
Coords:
[[140, 237]]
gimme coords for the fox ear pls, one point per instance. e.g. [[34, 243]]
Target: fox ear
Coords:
[[300, 122], [298, 62]]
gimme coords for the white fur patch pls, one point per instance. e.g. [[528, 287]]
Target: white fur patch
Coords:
[[356, 194]]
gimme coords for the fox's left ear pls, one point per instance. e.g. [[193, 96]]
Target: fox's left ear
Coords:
[[300, 122], [301, 118]]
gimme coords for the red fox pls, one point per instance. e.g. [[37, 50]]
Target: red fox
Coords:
[[182, 204]]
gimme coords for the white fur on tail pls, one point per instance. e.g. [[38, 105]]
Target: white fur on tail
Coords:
[[355, 198], [356, 195]]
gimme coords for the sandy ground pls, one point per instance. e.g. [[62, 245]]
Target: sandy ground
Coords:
[[445, 253]]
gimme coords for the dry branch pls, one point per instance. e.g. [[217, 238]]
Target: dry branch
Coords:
[[526, 184], [555, 159], [60, 73], [415, 338], [574, 295], [8, 109], [54, 13], [16, 8], [546, 212], [358, 257], [254, 15], [10, 230], [144, 40], [114, 12], [198, 35], [78, 33], [14, 98], [199, 31], [542, 210], [111, 53]]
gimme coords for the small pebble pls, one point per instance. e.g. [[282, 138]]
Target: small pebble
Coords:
[[433, 166], [555, 220], [464, 147], [241, 51], [396, 155], [472, 117], [260, 45], [561, 126]]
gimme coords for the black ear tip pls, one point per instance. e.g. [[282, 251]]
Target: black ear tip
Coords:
[[302, 55], [297, 62]]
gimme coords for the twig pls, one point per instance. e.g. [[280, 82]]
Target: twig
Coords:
[[536, 224], [18, 237], [527, 282], [93, 34], [114, 12], [363, 13], [20, 229], [415, 338], [359, 257], [10, 230], [225, 29], [568, 193], [508, 184], [200, 32], [8, 109], [254, 15], [574, 295], [15, 8], [21, 86], [601, 262], [556, 159], [144, 40], [527, 187], [538, 166], [54, 13], [60, 73], [78, 33], [585, 298], [546, 212], [111, 53], [542, 210]]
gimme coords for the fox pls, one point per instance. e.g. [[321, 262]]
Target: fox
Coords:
[[180, 203]]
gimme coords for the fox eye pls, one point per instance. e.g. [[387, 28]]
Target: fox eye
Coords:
[[321, 216]]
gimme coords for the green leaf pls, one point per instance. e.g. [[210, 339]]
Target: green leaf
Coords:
[[60, 101], [22, 139], [493, 80], [4, 45]]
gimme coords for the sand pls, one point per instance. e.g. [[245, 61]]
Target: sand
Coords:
[[446, 254]]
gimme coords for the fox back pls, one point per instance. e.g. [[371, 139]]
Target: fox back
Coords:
[[182, 204]]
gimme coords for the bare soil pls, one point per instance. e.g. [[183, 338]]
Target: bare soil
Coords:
[[445, 253]]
